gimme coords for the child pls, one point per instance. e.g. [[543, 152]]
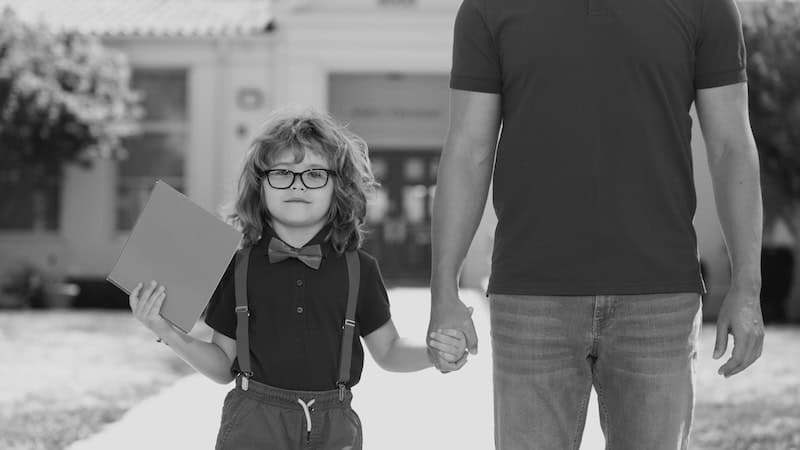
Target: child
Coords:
[[300, 205]]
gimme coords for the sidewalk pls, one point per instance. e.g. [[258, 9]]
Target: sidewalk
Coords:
[[398, 411]]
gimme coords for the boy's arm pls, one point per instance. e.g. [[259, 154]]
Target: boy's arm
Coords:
[[212, 359], [397, 354], [394, 353]]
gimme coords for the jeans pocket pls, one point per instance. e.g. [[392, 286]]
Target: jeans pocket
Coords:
[[232, 408], [356, 419], [356, 432]]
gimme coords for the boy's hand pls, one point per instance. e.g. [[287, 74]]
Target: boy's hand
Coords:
[[146, 307], [451, 344]]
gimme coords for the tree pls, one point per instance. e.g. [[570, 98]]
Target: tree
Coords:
[[772, 36], [63, 98]]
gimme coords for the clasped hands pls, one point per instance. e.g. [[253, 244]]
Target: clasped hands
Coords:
[[451, 335]]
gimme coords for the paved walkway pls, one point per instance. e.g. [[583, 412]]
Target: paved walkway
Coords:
[[421, 410]]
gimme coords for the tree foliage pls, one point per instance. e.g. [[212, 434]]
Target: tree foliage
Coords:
[[772, 37], [63, 97]]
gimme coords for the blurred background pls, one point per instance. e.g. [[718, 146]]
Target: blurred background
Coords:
[[99, 98]]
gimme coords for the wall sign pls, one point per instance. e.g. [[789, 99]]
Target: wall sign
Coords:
[[249, 98], [386, 110]]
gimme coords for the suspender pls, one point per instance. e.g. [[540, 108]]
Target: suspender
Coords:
[[242, 315], [243, 318], [353, 272]]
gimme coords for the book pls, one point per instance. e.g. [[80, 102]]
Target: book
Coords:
[[182, 247]]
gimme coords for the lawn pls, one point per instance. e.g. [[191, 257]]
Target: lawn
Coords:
[[65, 374], [758, 409]]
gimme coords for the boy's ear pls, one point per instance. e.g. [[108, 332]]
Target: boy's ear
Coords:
[[471, 310]]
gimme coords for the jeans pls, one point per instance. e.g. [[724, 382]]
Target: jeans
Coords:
[[638, 351]]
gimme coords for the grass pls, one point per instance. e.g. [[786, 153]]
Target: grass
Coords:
[[66, 374], [758, 409]]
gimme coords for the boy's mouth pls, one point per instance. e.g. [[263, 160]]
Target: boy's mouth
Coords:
[[297, 200]]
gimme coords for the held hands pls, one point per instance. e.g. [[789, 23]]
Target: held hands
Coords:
[[451, 314], [740, 316], [451, 345], [146, 306]]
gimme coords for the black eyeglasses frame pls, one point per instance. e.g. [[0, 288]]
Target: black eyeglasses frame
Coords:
[[265, 175]]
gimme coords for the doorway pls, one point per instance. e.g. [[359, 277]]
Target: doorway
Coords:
[[399, 214]]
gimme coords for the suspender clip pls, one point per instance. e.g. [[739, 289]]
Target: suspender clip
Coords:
[[342, 390], [243, 309], [245, 376], [349, 323]]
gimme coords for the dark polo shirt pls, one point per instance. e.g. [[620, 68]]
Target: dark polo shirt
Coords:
[[296, 316], [593, 184]]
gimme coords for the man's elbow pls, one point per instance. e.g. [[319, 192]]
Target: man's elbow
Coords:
[[724, 156]]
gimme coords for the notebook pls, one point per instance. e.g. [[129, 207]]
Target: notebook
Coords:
[[181, 246]]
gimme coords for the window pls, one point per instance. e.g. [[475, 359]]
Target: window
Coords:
[[24, 207], [158, 151]]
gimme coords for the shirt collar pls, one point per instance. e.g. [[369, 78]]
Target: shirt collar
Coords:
[[322, 238]]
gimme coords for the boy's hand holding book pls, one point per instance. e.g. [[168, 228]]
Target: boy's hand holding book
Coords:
[[147, 306]]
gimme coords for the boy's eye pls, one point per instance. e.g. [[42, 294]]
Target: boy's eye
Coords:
[[316, 173], [281, 172]]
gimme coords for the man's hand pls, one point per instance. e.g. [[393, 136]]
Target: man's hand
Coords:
[[451, 314], [740, 316]]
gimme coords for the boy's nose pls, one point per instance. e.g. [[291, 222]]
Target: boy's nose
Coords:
[[297, 184]]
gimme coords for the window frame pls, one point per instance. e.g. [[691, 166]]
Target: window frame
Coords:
[[158, 126]]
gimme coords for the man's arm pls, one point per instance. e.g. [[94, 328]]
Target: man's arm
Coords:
[[733, 162], [465, 170]]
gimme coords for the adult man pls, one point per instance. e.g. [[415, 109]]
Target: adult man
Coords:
[[595, 274]]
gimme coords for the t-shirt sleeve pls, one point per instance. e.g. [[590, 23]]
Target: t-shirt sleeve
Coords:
[[221, 313], [373, 301], [476, 65], [720, 57]]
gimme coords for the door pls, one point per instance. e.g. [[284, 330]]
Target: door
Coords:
[[399, 214]]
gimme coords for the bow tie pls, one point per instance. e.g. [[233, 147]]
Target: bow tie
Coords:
[[310, 255]]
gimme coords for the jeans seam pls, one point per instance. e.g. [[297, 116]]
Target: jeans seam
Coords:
[[595, 329], [613, 308], [603, 413], [581, 420]]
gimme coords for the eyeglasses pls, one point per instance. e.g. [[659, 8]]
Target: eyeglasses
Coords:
[[311, 178]]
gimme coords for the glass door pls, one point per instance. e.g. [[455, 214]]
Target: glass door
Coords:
[[399, 214]]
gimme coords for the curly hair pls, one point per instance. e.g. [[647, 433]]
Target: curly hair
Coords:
[[298, 131]]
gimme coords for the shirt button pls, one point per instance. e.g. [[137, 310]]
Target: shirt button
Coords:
[[299, 283], [299, 310]]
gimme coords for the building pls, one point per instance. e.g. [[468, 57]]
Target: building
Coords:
[[212, 70]]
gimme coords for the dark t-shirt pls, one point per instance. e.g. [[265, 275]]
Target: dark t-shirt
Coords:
[[297, 313], [593, 184]]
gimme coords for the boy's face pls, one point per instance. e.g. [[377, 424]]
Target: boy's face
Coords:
[[299, 207]]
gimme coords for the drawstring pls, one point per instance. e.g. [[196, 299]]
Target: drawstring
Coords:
[[305, 407]]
